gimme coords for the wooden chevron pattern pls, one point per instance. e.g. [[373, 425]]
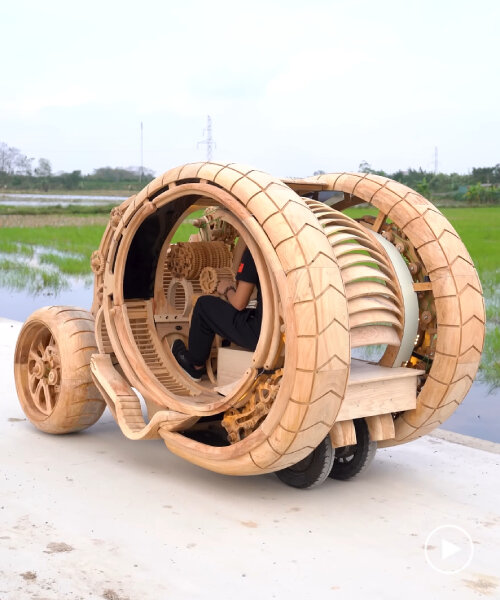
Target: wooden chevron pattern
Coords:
[[327, 285], [455, 286], [312, 294]]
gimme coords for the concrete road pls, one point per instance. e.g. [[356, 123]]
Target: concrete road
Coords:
[[93, 515]]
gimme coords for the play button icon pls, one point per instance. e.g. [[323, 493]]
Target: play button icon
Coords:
[[448, 549]]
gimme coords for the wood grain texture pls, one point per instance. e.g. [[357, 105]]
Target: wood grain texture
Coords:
[[327, 284], [294, 253], [456, 291], [52, 369]]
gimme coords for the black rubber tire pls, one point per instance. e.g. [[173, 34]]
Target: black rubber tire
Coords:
[[352, 460], [312, 470]]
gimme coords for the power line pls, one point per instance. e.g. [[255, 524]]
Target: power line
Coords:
[[209, 141], [142, 154]]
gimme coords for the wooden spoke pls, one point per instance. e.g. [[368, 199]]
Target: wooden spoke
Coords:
[[379, 221], [423, 286], [44, 372]]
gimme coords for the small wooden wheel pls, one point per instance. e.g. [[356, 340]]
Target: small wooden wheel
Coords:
[[312, 470], [52, 370], [351, 460]]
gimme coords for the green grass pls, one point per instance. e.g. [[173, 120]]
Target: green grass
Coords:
[[78, 240], [11, 247], [67, 264], [479, 229], [183, 232], [21, 242]]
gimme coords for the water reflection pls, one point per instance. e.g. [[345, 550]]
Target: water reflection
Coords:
[[479, 413], [18, 305], [57, 199]]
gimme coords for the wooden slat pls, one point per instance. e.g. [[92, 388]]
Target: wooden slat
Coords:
[[424, 286], [374, 334], [357, 289], [369, 302], [381, 427], [343, 434], [303, 187], [373, 316], [379, 221]]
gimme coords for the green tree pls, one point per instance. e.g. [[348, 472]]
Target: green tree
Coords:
[[44, 168], [71, 180], [423, 188]]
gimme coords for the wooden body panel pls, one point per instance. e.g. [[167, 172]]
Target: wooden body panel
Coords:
[[455, 289], [375, 390], [297, 265]]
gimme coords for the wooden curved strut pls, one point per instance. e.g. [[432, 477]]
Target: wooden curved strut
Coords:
[[126, 407]]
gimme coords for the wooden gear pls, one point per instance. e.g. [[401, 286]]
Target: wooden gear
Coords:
[[329, 283]]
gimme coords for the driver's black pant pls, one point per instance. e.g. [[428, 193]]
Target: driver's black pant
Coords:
[[211, 316]]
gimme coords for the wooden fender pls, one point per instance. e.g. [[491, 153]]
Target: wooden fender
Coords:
[[52, 372], [301, 285], [454, 291]]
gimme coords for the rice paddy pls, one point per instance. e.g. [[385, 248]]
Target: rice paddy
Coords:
[[49, 248]]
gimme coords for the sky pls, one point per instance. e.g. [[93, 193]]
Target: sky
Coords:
[[291, 87]]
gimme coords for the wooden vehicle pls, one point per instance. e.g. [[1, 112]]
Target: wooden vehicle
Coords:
[[300, 405]]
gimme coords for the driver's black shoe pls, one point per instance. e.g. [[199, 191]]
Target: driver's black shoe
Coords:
[[182, 356]]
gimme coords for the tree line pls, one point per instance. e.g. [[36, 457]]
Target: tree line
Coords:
[[18, 172], [480, 186]]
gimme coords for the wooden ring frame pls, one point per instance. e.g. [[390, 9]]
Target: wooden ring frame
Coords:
[[294, 265]]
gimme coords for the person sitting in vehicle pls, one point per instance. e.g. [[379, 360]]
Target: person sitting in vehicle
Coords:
[[232, 320]]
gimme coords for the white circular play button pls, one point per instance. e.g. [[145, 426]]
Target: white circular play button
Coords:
[[449, 549]]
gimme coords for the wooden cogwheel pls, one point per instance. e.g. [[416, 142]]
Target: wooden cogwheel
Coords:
[[241, 422], [97, 262], [210, 277]]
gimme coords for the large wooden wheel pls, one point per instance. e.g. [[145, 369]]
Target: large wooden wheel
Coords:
[[452, 317], [52, 370], [304, 306]]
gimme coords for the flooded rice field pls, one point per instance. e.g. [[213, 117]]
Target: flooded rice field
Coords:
[[44, 261], [19, 304], [57, 199]]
